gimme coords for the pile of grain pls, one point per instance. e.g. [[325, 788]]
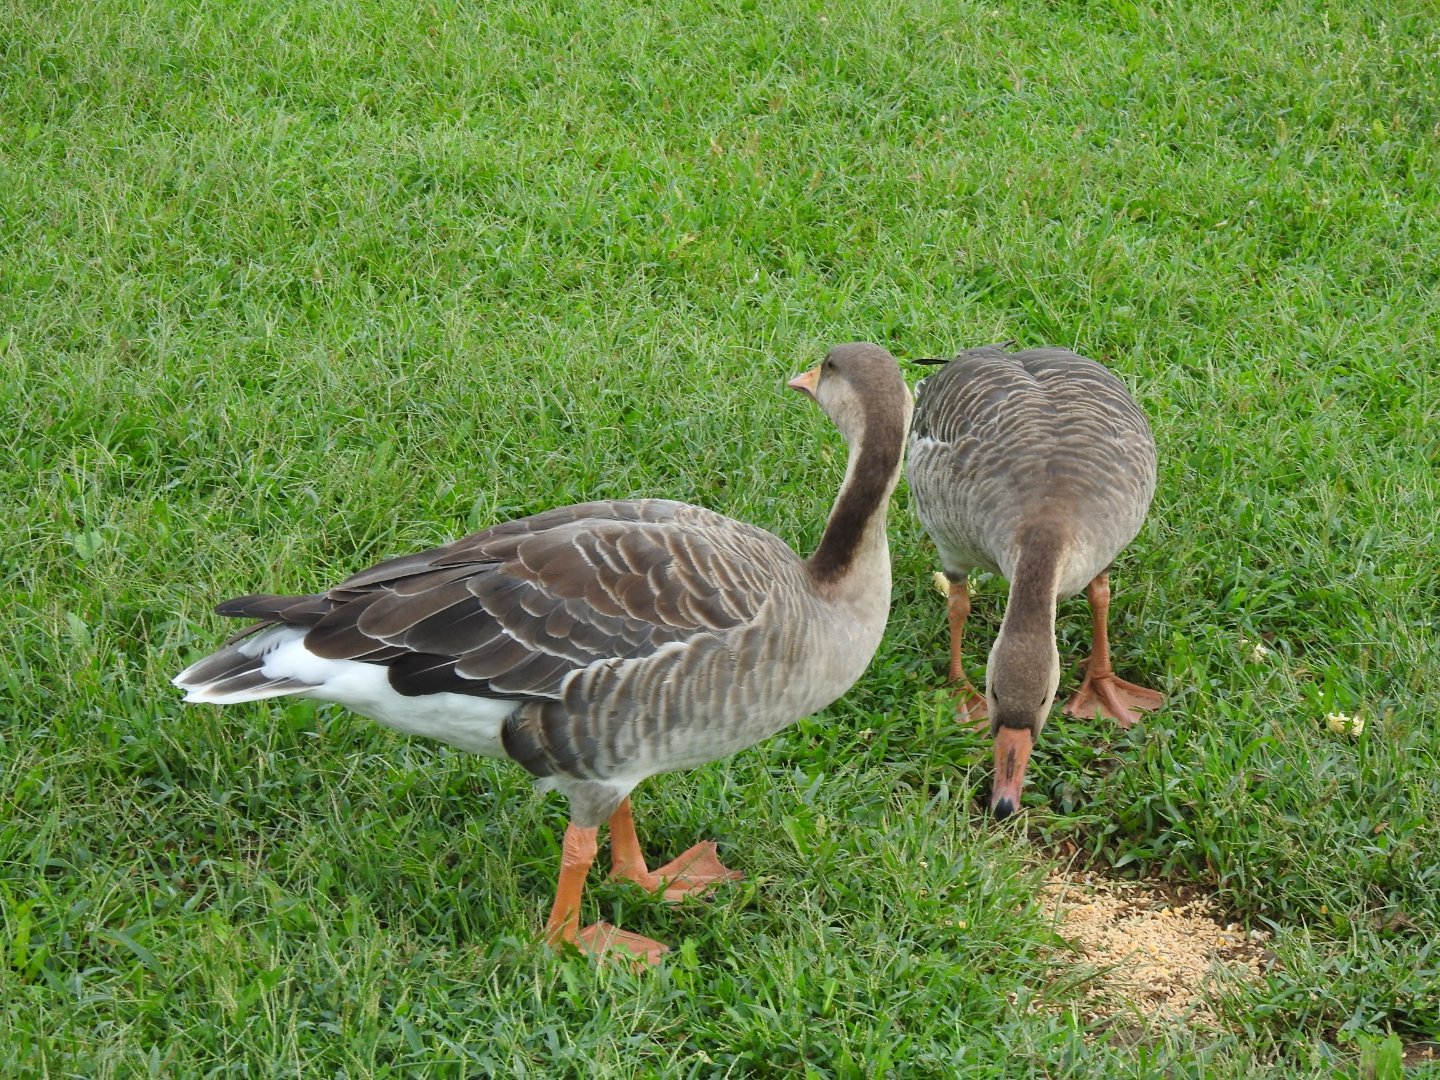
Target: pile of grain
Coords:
[[1155, 952]]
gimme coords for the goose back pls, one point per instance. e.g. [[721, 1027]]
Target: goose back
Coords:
[[1005, 442]]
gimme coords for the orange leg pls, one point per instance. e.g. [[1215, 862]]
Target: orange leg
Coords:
[[969, 703], [690, 874], [1103, 693], [578, 854]]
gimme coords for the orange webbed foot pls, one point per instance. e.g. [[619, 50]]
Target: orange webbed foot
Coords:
[[604, 943], [1113, 698], [970, 707], [690, 874]]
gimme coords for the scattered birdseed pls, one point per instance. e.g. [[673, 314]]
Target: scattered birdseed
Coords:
[[1343, 724], [1154, 954]]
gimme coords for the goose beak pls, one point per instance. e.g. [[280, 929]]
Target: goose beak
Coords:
[[806, 383], [1012, 754]]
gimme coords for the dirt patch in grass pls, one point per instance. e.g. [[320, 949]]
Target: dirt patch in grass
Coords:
[[1418, 1054], [1157, 951]]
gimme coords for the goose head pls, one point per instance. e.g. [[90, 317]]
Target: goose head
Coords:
[[1021, 679], [859, 386]]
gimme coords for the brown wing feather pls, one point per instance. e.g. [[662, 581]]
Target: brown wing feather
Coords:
[[510, 611]]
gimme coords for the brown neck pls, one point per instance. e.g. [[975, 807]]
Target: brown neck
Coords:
[[1031, 607], [859, 510]]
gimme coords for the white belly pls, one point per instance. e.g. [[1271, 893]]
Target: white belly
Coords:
[[463, 720]]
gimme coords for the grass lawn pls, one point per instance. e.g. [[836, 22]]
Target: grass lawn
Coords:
[[287, 288]]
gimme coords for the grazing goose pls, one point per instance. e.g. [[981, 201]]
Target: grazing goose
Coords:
[[1039, 466], [600, 644]]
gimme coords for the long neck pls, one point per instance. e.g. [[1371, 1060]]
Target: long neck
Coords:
[[1041, 550], [856, 526]]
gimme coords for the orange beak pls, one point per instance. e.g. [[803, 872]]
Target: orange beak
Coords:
[[806, 383], [1012, 754]]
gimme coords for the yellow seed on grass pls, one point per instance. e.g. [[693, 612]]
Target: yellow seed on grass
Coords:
[[1342, 724]]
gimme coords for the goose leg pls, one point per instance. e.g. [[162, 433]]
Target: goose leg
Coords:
[[1103, 693], [689, 874], [969, 703], [577, 856]]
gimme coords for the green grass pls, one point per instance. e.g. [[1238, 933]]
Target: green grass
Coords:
[[288, 288]]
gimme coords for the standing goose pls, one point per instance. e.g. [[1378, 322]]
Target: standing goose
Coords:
[[1039, 466], [600, 644]]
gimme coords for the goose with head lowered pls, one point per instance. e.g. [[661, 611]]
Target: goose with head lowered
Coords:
[[1037, 465], [600, 644]]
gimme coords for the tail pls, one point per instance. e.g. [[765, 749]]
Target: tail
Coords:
[[244, 669]]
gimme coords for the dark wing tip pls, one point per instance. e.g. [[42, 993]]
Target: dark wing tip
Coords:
[[999, 346]]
